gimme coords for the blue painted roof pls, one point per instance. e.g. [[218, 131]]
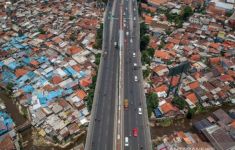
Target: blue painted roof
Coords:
[[157, 112], [13, 65], [28, 89], [69, 91], [42, 59], [1, 64], [81, 74], [7, 76], [71, 70], [7, 122], [54, 94], [27, 60]]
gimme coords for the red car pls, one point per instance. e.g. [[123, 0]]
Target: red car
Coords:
[[135, 132]]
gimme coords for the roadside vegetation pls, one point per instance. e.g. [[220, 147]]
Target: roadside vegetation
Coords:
[[99, 37], [152, 102]]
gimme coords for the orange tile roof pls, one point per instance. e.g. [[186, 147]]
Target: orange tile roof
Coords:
[[42, 36], [161, 88], [56, 79], [194, 85], [169, 46], [233, 124], [231, 73], [34, 62], [77, 68], [35, 49], [197, 75], [48, 44], [20, 72], [74, 50], [175, 41], [214, 60], [214, 45], [57, 40], [159, 68], [162, 54], [85, 82], [158, 2], [226, 77], [148, 19], [81, 94], [175, 80], [167, 107], [192, 97], [196, 57]]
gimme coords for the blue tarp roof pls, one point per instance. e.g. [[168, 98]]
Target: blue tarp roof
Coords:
[[28, 89], [7, 76], [13, 65], [81, 74], [54, 94], [7, 122], [49, 75], [27, 60], [1, 64], [69, 91], [71, 71], [157, 112], [42, 59]]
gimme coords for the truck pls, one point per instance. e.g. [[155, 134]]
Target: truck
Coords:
[[125, 103]]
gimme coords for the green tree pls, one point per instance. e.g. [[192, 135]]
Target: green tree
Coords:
[[144, 41], [179, 102], [152, 102], [72, 17], [97, 59], [10, 86], [145, 58], [99, 36], [187, 12], [89, 100], [228, 13], [190, 113], [143, 29], [72, 37], [41, 31], [150, 51], [146, 72]]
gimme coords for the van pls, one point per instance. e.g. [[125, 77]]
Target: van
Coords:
[[126, 141], [136, 78]]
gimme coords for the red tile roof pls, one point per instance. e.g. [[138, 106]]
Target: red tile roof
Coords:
[[167, 107], [81, 94], [20, 72], [194, 85], [161, 88], [74, 50], [226, 77], [214, 60], [56, 79], [162, 54], [85, 82], [192, 97]]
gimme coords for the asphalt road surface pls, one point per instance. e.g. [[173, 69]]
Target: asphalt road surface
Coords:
[[133, 90], [101, 128], [103, 124]]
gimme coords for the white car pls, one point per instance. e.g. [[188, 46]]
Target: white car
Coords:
[[126, 141], [140, 111], [127, 33], [134, 54], [135, 64], [131, 40], [136, 78], [134, 18]]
